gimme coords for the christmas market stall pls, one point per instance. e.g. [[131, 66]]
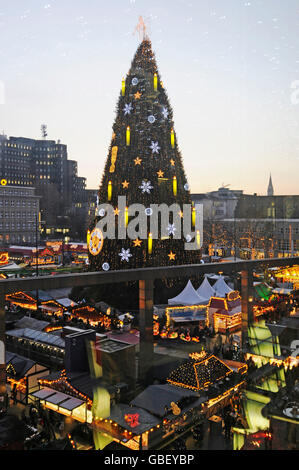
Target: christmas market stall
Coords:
[[22, 375], [225, 313], [288, 275], [67, 394]]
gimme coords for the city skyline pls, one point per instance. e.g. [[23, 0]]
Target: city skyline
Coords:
[[229, 82]]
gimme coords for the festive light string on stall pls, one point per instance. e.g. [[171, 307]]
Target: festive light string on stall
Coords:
[[287, 363], [64, 380]]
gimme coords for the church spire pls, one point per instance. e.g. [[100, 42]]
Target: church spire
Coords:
[[270, 191]]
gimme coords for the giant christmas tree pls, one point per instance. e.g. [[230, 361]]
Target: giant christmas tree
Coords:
[[145, 165]]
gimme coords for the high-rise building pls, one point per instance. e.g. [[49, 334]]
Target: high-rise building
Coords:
[[19, 209], [44, 165]]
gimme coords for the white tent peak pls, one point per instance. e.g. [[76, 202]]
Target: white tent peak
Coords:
[[188, 296], [221, 287], [205, 290]]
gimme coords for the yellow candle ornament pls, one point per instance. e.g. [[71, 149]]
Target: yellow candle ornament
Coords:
[[128, 136], [150, 243], [126, 216], [198, 238], [123, 87], [193, 216], [155, 82], [172, 138], [109, 190], [174, 186]]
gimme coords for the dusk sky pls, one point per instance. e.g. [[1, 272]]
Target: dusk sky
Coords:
[[228, 67]]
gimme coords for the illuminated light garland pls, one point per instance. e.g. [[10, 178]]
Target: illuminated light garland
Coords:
[[64, 380], [21, 384], [191, 371], [113, 159], [287, 363], [190, 307]]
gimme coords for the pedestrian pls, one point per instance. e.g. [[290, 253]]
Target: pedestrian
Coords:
[[227, 425]]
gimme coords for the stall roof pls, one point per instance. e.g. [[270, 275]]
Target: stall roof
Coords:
[[195, 374], [37, 336], [188, 296], [32, 323], [66, 302], [146, 420], [157, 399], [20, 364]]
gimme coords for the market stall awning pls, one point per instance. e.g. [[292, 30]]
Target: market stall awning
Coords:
[[281, 291], [263, 291], [71, 404], [58, 398], [44, 393]]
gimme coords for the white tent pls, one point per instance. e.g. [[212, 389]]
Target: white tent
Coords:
[[205, 290], [221, 287], [10, 267], [188, 296]]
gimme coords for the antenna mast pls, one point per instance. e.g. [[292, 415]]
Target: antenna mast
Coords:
[[44, 131]]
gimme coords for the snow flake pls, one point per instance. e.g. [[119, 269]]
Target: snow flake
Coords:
[[165, 112], [146, 187], [155, 147], [128, 108], [125, 254], [171, 229]]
